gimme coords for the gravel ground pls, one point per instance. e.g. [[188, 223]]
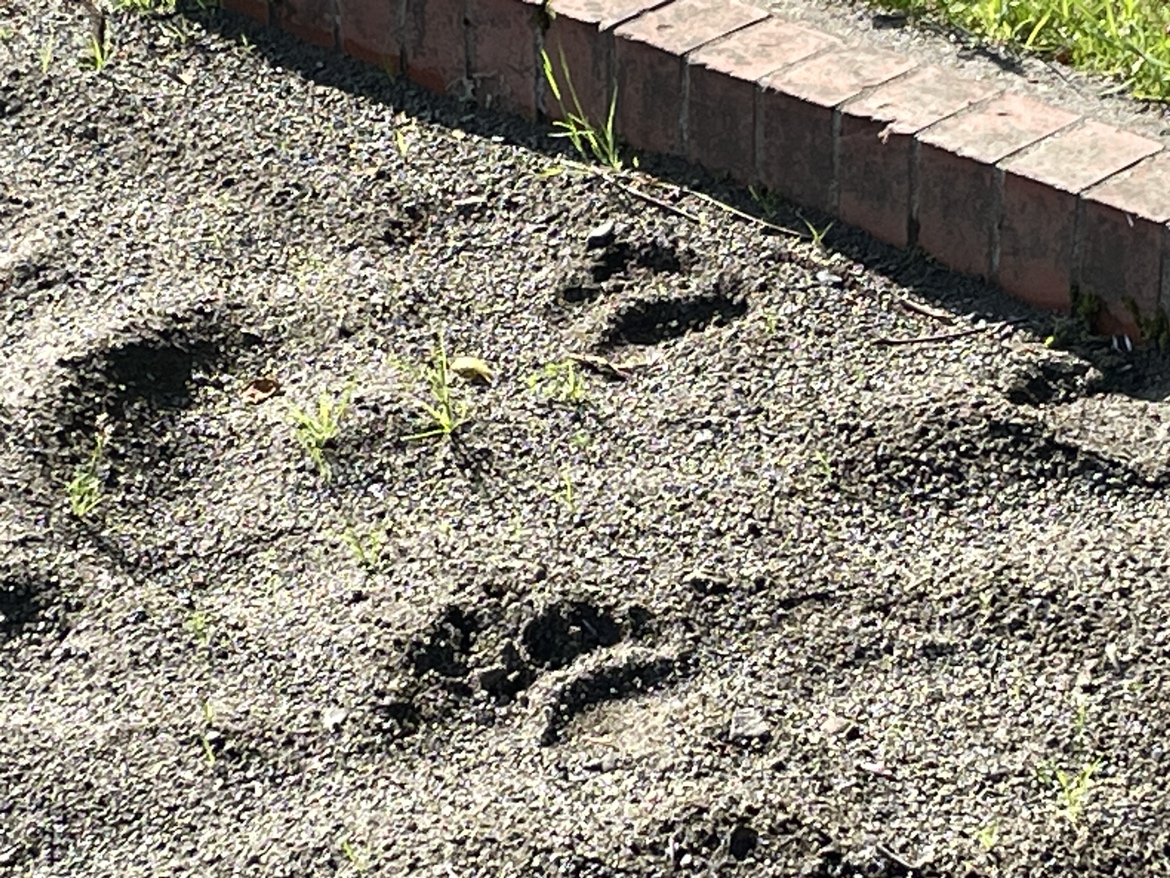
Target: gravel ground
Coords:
[[745, 589]]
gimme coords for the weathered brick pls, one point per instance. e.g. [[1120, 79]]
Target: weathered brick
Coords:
[[1040, 190], [311, 21], [373, 30], [256, 9], [435, 45], [959, 188], [721, 90], [648, 57], [503, 58], [579, 44], [796, 110], [1125, 241], [875, 171]]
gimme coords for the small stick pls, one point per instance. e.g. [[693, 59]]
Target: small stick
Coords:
[[602, 365], [911, 305], [736, 212], [1058, 72], [611, 178], [890, 854], [657, 202], [929, 339]]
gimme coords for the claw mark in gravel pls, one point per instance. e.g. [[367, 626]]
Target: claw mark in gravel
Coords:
[[660, 320], [606, 676], [144, 371], [614, 260], [573, 648], [657, 256], [710, 838], [27, 601], [940, 451], [561, 632], [445, 646], [1057, 380]]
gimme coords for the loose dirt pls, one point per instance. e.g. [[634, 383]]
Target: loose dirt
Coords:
[[710, 580]]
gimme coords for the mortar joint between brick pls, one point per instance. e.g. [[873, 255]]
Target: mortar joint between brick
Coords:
[[610, 69], [1075, 263], [468, 45], [538, 83], [757, 134], [997, 177], [1164, 288], [835, 183], [870, 89], [912, 213]]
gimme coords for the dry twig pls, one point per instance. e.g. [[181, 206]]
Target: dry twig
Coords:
[[933, 313]]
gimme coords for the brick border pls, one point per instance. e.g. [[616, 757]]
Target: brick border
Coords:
[[1052, 207]]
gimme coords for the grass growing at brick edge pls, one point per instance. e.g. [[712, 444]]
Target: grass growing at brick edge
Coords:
[[588, 140], [1128, 40]]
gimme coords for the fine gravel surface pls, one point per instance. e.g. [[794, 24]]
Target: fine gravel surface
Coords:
[[753, 557]]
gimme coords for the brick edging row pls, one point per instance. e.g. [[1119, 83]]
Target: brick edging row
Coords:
[[1058, 210]]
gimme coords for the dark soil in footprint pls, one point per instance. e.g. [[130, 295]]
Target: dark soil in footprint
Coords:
[[700, 580]]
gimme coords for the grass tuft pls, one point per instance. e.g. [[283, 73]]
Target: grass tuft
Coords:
[[84, 490], [589, 141], [1128, 40], [444, 414], [316, 430], [561, 381]]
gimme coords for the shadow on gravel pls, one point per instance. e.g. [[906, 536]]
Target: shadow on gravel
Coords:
[[1143, 374], [28, 602]]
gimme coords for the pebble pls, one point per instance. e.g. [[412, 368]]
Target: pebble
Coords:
[[747, 723], [600, 236]]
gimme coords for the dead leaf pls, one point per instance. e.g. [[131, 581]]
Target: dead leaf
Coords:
[[259, 389], [471, 369]]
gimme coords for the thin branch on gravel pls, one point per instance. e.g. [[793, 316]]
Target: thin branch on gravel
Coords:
[[933, 313], [1059, 72], [609, 177], [601, 365], [931, 339], [657, 202], [736, 212], [890, 854]]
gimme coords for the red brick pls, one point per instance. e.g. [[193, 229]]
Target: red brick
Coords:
[[503, 59], [311, 21], [796, 110], [1124, 257], [721, 90], [579, 39], [875, 170], [257, 9], [373, 31], [604, 14], [434, 46], [648, 58], [959, 188], [1040, 189]]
